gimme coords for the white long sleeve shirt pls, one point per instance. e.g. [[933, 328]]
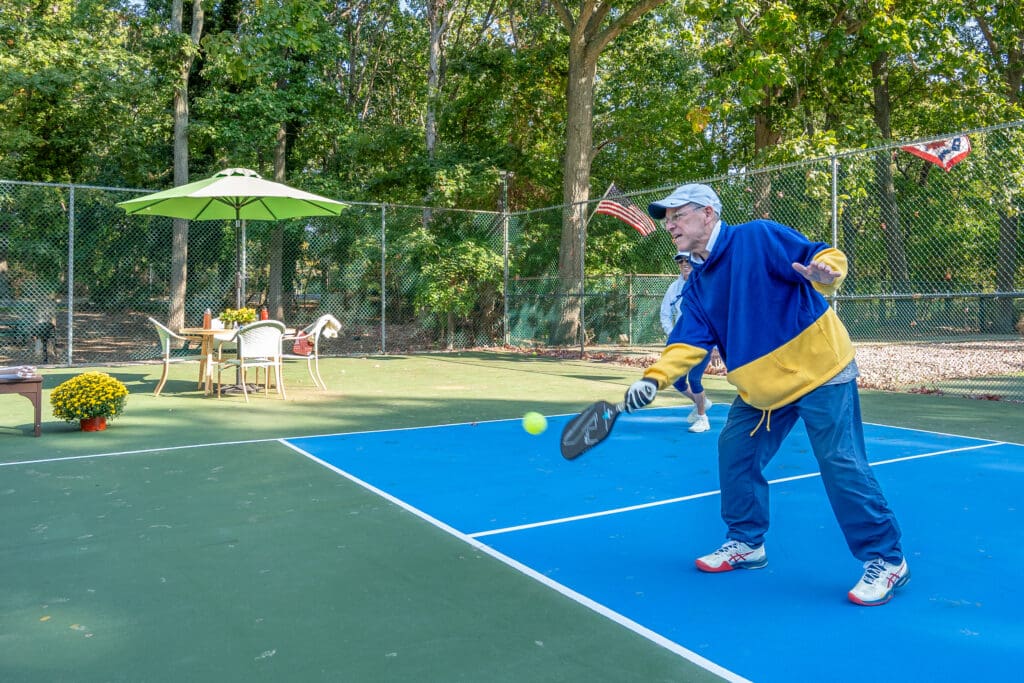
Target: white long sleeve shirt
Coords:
[[671, 304]]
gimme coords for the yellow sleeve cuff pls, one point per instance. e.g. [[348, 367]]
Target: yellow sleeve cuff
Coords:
[[836, 260], [676, 360]]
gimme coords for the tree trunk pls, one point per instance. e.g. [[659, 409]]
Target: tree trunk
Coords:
[[275, 303], [848, 235], [892, 232], [438, 20], [765, 137], [576, 191], [588, 36], [1003, 316], [179, 230]]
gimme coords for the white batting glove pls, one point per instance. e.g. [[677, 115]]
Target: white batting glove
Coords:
[[640, 394]]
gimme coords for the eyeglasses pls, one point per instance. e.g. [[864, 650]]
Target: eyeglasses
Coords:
[[682, 214]]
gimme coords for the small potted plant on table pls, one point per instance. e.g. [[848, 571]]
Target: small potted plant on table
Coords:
[[236, 317]]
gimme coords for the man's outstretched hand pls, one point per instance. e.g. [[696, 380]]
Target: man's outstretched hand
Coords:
[[816, 271]]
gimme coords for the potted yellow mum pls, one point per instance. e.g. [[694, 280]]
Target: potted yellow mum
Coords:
[[92, 398], [241, 316]]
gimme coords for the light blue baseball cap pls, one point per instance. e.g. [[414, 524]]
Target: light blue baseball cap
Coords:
[[694, 193]]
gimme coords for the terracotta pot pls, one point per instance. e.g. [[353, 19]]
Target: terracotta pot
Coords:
[[93, 424]]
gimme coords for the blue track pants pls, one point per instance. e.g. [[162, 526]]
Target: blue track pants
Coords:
[[831, 415]]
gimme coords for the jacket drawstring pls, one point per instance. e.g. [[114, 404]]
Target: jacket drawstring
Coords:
[[766, 419]]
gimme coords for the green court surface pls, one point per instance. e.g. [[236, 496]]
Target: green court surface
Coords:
[[187, 542]]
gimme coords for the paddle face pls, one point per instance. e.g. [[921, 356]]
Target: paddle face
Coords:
[[589, 428]]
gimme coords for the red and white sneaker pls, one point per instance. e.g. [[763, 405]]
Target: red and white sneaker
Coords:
[[879, 583], [733, 555]]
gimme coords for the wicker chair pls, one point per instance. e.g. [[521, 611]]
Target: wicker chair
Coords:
[[168, 353], [325, 326], [259, 346]]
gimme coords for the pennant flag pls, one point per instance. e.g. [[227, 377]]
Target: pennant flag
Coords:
[[615, 203], [943, 153]]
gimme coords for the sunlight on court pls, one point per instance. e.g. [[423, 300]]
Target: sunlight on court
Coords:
[[619, 528]]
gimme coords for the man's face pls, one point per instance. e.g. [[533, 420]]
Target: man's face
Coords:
[[690, 226], [684, 268]]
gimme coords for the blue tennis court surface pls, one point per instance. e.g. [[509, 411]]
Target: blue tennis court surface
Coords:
[[622, 525]]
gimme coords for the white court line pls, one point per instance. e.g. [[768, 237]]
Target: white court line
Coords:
[[620, 619], [931, 431], [216, 444], [592, 515], [140, 451], [670, 501]]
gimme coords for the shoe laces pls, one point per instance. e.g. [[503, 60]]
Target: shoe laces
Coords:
[[730, 548], [873, 569]]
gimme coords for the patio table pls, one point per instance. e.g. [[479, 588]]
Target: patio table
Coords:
[[206, 336]]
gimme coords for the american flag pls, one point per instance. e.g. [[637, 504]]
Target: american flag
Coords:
[[615, 203], [943, 153]]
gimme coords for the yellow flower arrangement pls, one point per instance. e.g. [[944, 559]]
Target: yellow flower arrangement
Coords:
[[238, 315], [91, 394]]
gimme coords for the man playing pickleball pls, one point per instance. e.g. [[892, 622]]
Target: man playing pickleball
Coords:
[[757, 293]]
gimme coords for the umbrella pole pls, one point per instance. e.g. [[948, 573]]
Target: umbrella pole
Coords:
[[239, 263], [239, 288]]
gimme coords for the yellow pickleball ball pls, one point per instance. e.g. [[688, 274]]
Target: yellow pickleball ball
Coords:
[[534, 423]]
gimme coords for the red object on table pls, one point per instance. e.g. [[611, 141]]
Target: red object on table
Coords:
[[264, 315]]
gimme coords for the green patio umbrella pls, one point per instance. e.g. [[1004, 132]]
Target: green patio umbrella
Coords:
[[239, 194]]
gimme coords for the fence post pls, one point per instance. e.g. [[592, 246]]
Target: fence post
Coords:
[[583, 290], [629, 307], [506, 335], [835, 216], [71, 273], [383, 280]]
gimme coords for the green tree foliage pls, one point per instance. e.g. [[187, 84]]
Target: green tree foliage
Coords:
[[463, 279], [77, 87], [690, 89]]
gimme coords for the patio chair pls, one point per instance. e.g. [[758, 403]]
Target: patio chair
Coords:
[[170, 355], [259, 346], [224, 342], [324, 326]]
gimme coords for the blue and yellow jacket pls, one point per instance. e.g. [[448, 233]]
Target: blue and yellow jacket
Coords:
[[774, 329]]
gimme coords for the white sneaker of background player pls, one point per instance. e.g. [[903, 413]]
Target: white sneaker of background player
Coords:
[[701, 424], [692, 417]]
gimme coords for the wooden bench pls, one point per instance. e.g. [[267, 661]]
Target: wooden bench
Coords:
[[32, 389]]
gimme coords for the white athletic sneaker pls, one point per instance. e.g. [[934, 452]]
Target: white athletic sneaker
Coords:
[[879, 582], [733, 555], [692, 417], [701, 424]]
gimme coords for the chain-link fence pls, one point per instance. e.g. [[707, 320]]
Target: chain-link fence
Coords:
[[934, 295]]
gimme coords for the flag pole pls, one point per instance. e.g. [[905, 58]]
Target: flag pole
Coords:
[[599, 202]]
